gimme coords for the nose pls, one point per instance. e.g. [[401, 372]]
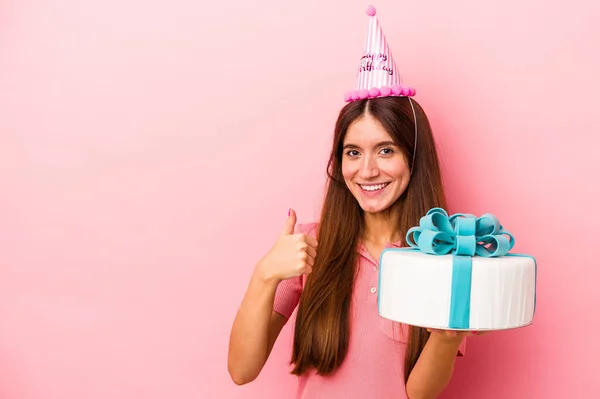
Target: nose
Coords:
[[369, 168]]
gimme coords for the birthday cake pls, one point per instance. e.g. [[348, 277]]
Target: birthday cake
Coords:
[[458, 274]]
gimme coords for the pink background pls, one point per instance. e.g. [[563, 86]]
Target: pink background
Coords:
[[149, 151]]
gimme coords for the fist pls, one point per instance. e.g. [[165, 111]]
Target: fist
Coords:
[[292, 254]]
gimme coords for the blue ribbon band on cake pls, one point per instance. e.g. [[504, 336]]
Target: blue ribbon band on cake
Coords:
[[463, 236]]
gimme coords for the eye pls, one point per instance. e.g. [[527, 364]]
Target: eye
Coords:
[[387, 151], [352, 153]]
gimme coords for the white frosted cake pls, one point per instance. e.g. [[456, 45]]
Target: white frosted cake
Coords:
[[439, 284]]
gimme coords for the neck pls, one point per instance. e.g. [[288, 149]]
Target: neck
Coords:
[[381, 227]]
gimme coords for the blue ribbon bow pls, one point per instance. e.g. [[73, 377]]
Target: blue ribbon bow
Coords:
[[463, 236]]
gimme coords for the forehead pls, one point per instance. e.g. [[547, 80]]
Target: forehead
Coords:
[[365, 131]]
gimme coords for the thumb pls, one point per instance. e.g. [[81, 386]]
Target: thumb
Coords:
[[290, 223]]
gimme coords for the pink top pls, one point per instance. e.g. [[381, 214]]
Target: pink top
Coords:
[[373, 367]]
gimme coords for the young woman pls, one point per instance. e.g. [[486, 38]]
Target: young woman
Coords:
[[383, 177]]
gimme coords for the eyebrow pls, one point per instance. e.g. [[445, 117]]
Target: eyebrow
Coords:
[[381, 144]]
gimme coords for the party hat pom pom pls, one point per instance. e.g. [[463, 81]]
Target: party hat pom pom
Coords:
[[397, 89], [362, 94], [412, 91], [348, 97], [371, 11], [385, 91], [374, 92]]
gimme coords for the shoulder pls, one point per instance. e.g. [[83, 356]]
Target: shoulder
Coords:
[[307, 228]]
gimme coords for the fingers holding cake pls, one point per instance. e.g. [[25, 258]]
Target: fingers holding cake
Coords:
[[456, 333]]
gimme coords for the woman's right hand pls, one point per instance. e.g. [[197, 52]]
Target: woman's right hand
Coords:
[[292, 254]]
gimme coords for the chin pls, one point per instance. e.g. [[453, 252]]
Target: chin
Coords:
[[374, 208]]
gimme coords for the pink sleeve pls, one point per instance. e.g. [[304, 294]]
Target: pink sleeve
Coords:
[[287, 296], [288, 291]]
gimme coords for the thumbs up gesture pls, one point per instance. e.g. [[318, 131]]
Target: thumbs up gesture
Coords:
[[292, 254]]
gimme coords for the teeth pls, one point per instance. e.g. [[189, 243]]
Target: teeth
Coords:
[[373, 187]]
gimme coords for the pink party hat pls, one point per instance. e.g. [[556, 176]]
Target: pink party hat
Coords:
[[377, 72]]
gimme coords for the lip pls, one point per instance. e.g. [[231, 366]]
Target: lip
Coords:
[[373, 193]]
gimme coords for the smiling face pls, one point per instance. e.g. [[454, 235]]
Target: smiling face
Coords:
[[374, 168]]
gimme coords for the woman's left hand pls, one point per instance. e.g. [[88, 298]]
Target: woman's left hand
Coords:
[[454, 334]]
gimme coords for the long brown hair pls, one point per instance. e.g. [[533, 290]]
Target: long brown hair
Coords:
[[322, 328]]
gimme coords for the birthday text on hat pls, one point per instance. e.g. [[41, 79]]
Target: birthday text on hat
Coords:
[[375, 61]]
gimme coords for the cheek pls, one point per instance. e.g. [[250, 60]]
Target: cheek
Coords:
[[397, 169], [347, 170]]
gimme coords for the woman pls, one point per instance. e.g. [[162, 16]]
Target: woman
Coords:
[[383, 176]]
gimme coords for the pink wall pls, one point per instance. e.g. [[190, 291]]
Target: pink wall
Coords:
[[133, 132]]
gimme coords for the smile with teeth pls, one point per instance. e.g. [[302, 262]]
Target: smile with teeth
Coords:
[[373, 187]]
